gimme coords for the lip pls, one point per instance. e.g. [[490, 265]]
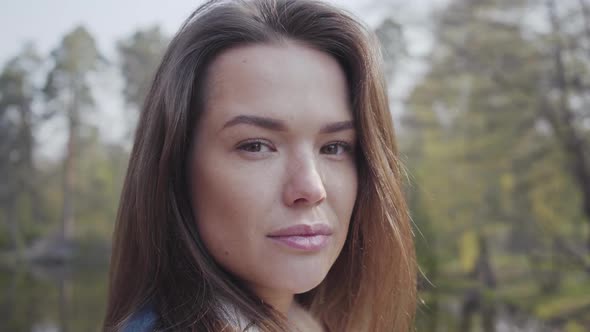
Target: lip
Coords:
[[303, 230], [303, 237]]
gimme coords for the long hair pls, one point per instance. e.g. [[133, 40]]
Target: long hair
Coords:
[[158, 257]]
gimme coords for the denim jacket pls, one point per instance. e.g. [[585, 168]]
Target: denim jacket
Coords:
[[145, 320], [142, 321]]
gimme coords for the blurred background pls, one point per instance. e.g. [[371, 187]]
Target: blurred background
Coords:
[[491, 100]]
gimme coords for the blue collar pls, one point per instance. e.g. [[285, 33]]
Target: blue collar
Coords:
[[143, 320]]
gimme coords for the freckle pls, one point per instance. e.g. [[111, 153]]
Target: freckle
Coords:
[[244, 60], [226, 253]]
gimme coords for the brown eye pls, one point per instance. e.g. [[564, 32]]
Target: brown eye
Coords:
[[330, 149], [252, 147], [255, 147], [337, 148]]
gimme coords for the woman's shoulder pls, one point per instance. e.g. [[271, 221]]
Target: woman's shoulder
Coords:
[[143, 320]]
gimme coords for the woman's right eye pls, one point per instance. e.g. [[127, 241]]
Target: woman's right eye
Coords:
[[255, 147]]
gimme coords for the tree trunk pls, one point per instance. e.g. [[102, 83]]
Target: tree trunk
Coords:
[[586, 15], [69, 176], [28, 177], [562, 121], [12, 223], [483, 268]]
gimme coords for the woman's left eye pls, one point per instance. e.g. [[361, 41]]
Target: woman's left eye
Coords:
[[336, 148]]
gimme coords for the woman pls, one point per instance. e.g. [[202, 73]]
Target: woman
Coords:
[[263, 191]]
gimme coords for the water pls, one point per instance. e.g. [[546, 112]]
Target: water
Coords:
[[62, 299], [53, 299]]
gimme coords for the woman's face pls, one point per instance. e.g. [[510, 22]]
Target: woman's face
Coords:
[[272, 168]]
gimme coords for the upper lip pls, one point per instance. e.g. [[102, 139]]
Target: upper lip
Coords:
[[303, 230]]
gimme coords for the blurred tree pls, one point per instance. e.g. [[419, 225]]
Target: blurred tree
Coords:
[[140, 55], [103, 166], [482, 134], [393, 47], [68, 94], [17, 170], [562, 86]]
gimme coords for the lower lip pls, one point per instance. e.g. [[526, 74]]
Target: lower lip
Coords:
[[303, 243]]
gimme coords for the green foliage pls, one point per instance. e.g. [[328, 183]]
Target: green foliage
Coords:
[[574, 327], [74, 59], [17, 172], [140, 55], [98, 191], [468, 251], [489, 168]]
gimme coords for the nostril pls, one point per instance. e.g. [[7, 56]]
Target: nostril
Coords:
[[304, 186], [300, 200], [306, 201]]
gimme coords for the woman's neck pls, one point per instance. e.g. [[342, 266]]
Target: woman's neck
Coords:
[[301, 320], [280, 301], [298, 317]]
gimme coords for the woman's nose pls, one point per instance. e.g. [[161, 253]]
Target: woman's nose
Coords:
[[304, 186]]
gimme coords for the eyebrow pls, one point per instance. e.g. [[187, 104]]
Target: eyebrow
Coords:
[[278, 125], [258, 121], [336, 127]]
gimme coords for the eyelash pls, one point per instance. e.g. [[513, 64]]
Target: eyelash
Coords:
[[347, 147], [248, 143], [244, 145]]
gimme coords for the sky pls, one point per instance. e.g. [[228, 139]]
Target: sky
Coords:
[[45, 22]]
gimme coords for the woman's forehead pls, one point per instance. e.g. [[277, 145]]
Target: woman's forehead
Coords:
[[285, 81]]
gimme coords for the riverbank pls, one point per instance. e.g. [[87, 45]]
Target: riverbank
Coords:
[[556, 299]]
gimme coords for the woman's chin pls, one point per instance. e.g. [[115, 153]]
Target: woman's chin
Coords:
[[303, 283]]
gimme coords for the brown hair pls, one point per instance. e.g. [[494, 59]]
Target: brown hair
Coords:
[[158, 257]]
